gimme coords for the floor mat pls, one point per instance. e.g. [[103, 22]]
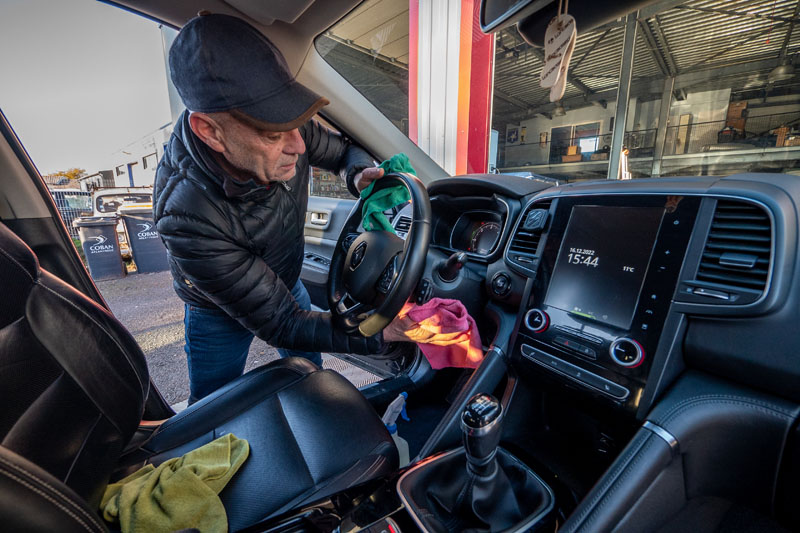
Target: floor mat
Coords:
[[355, 375], [423, 421]]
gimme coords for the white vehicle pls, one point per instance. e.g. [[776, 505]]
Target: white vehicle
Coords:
[[107, 202]]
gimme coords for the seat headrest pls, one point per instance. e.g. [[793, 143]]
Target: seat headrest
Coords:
[[16, 255], [19, 270]]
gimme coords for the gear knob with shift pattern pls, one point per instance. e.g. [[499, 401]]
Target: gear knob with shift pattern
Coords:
[[481, 426], [495, 492]]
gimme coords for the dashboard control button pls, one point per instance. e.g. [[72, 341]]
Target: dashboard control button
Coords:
[[534, 261], [575, 373], [580, 334], [563, 341], [711, 293], [537, 320], [501, 284], [607, 386], [588, 352], [575, 346], [626, 352]]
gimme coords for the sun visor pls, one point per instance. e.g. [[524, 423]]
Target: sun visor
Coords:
[[268, 12]]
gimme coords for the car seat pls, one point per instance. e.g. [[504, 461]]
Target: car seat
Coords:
[[73, 383]]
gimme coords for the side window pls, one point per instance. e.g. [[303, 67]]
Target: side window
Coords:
[[150, 161], [324, 183], [327, 184]]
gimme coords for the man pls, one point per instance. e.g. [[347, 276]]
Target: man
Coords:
[[230, 199]]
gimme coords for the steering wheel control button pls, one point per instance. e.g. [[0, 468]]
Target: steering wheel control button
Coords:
[[424, 291], [501, 284], [387, 276], [537, 320], [575, 373], [626, 352]]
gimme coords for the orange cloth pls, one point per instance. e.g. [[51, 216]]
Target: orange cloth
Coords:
[[457, 341]]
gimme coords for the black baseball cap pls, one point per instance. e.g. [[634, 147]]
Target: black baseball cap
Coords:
[[222, 63]]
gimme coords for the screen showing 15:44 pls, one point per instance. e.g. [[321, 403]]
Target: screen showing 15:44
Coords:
[[601, 265]]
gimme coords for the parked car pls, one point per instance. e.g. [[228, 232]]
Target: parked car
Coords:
[[108, 201]]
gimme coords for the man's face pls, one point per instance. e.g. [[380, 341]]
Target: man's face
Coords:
[[267, 156]]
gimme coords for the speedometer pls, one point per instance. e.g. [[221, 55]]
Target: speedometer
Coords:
[[484, 237]]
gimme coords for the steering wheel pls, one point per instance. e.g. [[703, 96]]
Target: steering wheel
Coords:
[[373, 273]]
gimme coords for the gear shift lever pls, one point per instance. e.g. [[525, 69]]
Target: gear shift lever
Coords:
[[481, 426], [493, 493]]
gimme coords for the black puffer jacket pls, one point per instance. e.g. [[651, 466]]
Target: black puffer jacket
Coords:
[[238, 246]]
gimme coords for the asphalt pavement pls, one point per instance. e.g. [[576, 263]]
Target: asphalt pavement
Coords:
[[152, 312]]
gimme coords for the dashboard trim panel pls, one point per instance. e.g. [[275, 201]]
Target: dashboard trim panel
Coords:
[[709, 194], [575, 373], [498, 251]]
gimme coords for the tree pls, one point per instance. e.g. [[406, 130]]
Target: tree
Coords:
[[71, 174]]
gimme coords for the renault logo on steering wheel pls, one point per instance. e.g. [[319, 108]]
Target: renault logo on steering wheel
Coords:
[[358, 255]]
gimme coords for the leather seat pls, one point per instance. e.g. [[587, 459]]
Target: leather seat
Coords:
[[73, 384]]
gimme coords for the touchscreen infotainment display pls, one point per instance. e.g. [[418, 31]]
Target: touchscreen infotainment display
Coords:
[[602, 262]]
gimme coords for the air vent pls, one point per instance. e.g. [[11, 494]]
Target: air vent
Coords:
[[403, 225], [735, 263], [522, 249]]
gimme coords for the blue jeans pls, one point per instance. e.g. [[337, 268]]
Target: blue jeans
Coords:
[[217, 346]]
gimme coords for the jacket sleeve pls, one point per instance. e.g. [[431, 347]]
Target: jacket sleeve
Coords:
[[329, 150], [242, 285]]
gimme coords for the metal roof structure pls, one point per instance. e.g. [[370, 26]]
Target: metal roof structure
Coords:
[[703, 44], [730, 43]]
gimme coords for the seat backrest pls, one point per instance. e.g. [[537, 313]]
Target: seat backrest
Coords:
[[73, 381], [33, 500]]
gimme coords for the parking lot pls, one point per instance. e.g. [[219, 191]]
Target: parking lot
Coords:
[[149, 308]]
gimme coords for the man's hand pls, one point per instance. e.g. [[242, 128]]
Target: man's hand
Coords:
[[364, 178]]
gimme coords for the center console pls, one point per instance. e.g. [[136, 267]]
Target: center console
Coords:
[[605, 271]]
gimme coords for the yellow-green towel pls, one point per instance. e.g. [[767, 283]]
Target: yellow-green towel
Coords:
[[180, 493]]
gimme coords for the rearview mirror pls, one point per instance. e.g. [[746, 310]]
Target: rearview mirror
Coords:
[[499, 14], [532, 16]]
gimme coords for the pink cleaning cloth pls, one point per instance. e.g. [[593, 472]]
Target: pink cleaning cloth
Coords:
[[456, 342]]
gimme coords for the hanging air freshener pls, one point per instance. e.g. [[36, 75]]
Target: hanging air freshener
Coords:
[[557, 90], [559, 43]]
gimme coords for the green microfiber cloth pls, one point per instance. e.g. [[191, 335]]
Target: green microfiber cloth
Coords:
[[375, 204], [180, 493]]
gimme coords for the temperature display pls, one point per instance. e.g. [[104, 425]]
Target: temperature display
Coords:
[[602, 262]]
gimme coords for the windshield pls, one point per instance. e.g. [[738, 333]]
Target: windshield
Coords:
[[79, 201], [708, 88]]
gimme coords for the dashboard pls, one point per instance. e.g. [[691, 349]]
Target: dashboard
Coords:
[[472, 224], [618, 286], [605, 276]]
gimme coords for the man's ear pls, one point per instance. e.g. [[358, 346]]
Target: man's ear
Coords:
[[208, 130]]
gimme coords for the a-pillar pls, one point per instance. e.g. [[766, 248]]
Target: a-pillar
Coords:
[[450, 80]]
